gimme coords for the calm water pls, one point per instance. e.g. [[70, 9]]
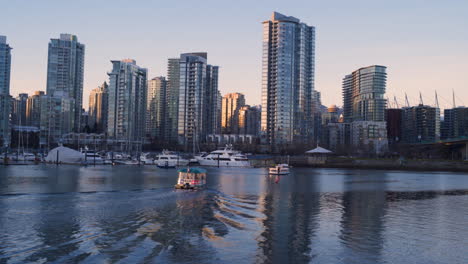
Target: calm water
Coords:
[[132, 215]]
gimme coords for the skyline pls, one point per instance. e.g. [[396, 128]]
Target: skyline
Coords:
[[420, 53]]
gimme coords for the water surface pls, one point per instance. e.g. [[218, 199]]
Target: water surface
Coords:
[[129, 214]]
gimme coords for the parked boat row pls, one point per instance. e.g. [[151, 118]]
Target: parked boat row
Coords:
[[226, 157]]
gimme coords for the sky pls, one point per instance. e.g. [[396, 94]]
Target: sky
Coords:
[[423, 43]]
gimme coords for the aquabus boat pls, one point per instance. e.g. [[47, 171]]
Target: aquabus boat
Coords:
[[191, 178]]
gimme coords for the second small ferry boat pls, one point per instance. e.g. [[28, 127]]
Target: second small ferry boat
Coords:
[[280, 169], [191, 178]]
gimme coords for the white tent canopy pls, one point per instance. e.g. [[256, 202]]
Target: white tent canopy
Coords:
[[65, 155], [319, 150]]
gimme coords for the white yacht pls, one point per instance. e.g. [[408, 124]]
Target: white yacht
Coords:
[[226, 157], [146, 158], [92, 157], [168, 159], [24, 157]]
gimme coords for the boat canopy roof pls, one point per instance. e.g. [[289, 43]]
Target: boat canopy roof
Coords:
[[193, 170]]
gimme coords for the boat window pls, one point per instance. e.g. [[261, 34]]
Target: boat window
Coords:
[[225, 159]]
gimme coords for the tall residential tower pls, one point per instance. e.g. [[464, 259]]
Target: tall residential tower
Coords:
[[5, 99], [156, 105], [287, 80], [198, 96], [363, 94], [65, 70], [127, 103]]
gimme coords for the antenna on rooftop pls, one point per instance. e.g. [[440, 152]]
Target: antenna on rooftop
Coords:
[[407, 102], [396, 102], [420, 99], [436, 100], [453, 98]]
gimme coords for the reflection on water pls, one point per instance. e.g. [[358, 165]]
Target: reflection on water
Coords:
[[132, 215]]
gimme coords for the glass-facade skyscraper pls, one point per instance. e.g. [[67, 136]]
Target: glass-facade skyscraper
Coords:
[[363, 94], [288, 70], [127, 103], [65, 71], [5, 99]]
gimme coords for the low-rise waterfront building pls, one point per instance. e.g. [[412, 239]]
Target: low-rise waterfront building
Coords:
[[57, 117], [455, 124], [369, 137], [339, 138], [420, 124], [394, 118]]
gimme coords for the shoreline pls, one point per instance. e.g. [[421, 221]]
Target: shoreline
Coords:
[[332, 163]]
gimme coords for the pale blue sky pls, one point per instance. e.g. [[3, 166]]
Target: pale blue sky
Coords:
[[424, 44]]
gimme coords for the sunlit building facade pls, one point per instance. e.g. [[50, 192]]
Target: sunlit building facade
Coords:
[[18, 116], [33, 109], [230, 109], [249, 120], [288, 70], [98, 107]]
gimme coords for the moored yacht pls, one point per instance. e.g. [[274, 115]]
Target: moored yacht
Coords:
[[226, 157], [168, 159]]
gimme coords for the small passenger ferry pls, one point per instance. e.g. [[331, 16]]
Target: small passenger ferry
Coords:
[[280, 169], [191, 178]]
